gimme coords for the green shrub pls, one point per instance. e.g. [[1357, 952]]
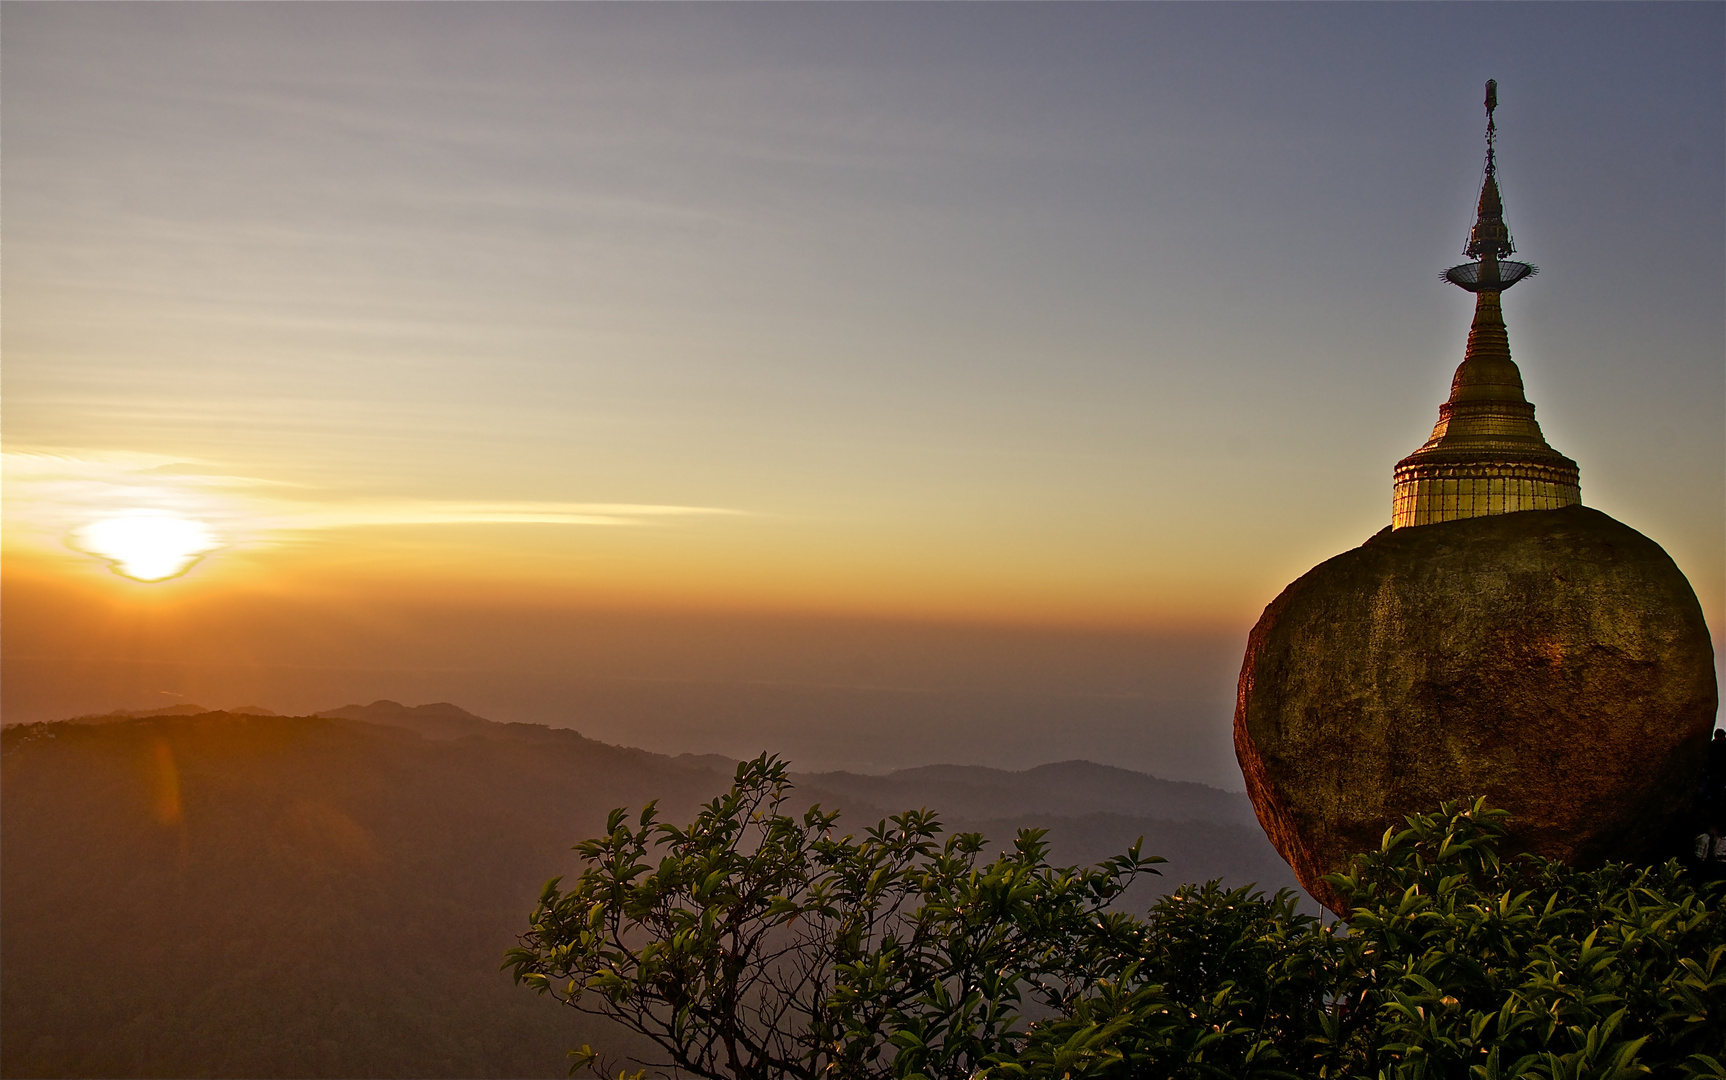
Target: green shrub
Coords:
[[756, 944], [1453, 963], [764, 945]]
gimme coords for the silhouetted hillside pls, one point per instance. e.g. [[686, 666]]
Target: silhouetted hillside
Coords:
[[1066, 789], [237, 895], [327, 898], [1091, 812], [185, 708], [440, 720]]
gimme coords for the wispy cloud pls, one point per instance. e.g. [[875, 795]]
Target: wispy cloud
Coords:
[[52, 493], [432, 512]]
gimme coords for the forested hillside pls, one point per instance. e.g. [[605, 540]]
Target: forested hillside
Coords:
[[236, 895]]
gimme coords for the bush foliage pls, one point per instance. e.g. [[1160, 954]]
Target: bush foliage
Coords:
[[758, 944]]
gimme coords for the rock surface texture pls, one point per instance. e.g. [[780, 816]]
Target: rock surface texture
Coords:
[[1555, 661]]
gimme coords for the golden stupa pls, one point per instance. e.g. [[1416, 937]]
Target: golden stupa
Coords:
[[1486, 455]]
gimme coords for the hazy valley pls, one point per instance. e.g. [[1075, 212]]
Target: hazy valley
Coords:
[[228, 894]]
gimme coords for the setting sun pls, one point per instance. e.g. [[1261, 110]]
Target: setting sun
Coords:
[[146, 545]]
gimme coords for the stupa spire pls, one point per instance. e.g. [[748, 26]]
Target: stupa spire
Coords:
[[1486, 455], [1490, 239]]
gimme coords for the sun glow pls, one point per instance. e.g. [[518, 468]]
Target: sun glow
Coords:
[[151, 517], [146, 545]]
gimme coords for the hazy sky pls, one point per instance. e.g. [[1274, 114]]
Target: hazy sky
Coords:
[[460, 324]]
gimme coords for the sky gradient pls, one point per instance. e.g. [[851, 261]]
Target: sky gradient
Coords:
[[909, 349]]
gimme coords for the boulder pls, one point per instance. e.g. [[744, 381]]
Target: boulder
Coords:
[[1554, 661]]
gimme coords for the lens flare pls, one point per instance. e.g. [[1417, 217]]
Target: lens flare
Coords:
[[146, 545]]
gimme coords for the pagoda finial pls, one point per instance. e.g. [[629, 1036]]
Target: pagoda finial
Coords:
[[1491, 128], [1489, 241]]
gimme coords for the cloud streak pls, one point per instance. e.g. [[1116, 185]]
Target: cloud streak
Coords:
[[51, 494], [433, 512]]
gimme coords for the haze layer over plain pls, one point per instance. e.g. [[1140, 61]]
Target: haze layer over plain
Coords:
[[863, 352]]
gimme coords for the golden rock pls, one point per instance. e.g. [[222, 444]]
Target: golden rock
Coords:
[[1556, 662]]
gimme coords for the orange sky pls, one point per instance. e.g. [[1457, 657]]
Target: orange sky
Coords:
[[1077, 566]]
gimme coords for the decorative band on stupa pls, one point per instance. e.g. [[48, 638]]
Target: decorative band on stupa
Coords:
[[1486, 455]]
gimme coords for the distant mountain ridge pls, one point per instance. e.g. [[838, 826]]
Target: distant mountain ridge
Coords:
[[974, 792], [183, 709], [959, 792], [439, 720], [1064, 789]]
